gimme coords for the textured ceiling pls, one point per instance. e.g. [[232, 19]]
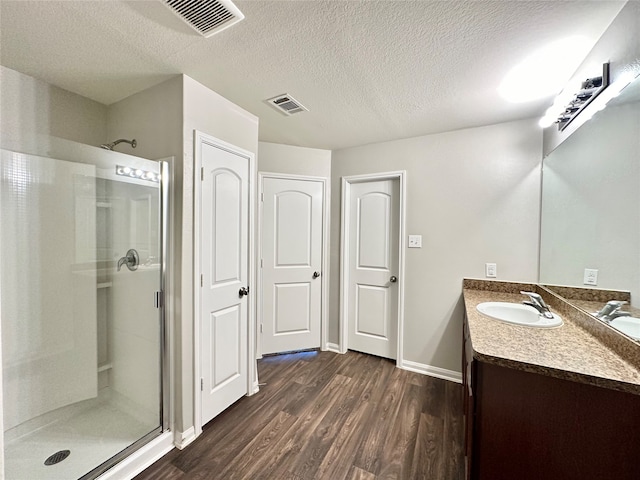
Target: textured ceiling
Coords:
[[368, 71]]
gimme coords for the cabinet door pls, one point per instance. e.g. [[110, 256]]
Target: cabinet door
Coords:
[[529, 426], [467, 391]]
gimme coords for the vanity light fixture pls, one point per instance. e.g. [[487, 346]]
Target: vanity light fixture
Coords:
[[572, 101], [610, 93], [137, 173]]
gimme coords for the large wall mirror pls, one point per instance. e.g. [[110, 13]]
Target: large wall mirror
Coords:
[[591, 206]]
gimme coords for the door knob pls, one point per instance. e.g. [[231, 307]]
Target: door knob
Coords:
[[393, 279], [243, 291], [316, 274]]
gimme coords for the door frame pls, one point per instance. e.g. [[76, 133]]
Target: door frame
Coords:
[[344, 253], [200, 138], [324, 302]]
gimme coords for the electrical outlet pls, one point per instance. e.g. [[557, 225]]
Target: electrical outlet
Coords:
[[415, 241], [590, 276], [491, 270]]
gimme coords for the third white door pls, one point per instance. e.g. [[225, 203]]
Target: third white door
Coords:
[[292, 245], [373, 261]]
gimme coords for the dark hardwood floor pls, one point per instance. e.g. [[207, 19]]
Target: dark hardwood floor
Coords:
[[323, 415]]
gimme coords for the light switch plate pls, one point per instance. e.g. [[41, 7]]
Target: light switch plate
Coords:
[[415, 241], [590, 276], [491, 270]]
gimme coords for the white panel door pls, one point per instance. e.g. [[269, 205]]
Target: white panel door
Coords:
[[291, 264], [224, 260], [373, 267]]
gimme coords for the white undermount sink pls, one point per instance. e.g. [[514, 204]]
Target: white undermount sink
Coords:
[[627, 325], [518, 314]]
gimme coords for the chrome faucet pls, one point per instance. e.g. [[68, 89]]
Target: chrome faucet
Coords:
[[538, 303], [617, 314], [612, 310], [131, 260], [121, 262]]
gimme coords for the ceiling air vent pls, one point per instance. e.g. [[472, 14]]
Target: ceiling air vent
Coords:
[[208, 17], [286, 104]]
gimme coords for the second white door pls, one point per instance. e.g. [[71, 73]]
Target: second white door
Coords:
[[291, 264], [373, 253]]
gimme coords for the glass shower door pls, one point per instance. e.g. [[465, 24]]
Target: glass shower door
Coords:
[[80, 268]]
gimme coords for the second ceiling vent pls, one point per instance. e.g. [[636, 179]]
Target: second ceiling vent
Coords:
[[286, 104], [207, 17]]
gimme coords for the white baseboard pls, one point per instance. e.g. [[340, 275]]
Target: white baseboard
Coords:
[[141, 459], [185, 438], [437, 372], [255, 389], [333, 347]]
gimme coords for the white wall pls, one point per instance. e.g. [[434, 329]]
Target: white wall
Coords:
[[154, 117], [210, 113], [277, 158], [32, 110], [162, 120], [474, 196], [31, 113]]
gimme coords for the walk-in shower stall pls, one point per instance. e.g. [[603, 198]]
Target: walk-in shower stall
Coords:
[[82, 323]]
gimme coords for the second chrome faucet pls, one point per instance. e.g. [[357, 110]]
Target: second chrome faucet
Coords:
[[612, 310]]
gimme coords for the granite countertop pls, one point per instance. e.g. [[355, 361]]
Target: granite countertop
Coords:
[[568, 352]]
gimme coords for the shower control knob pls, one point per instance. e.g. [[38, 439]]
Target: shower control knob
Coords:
[[243, 291]]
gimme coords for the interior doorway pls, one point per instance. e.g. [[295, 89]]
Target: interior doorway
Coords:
[[293, 269], [225, 363], [372, 264]]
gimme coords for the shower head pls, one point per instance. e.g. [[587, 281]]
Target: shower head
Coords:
[[109, 146]]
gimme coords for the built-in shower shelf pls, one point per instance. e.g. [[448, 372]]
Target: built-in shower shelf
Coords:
[[105, 367], [104, 285]]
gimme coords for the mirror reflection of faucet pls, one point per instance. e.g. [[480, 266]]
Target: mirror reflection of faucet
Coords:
[[612, 310], [131, 260]]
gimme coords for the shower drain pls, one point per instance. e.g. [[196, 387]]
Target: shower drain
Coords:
[[57, 457]]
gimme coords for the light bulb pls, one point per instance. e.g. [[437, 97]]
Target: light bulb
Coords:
[[546, 121]]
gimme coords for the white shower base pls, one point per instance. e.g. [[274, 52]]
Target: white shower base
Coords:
[[92, 435]]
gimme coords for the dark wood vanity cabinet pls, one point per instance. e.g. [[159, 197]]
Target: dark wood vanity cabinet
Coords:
[[467, 401], [528, 426]]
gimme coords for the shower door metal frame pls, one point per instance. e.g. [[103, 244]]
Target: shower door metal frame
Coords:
[[166, 329]]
